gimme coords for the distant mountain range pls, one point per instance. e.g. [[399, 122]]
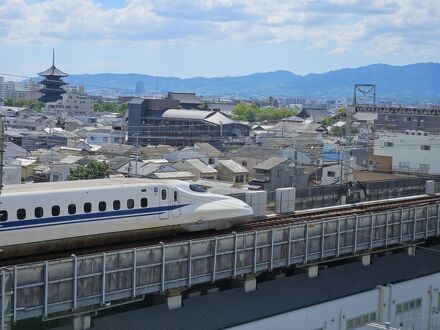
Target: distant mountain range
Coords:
[[400, 83]]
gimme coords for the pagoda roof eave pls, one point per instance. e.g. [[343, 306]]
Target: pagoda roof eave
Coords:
[[53, 71]]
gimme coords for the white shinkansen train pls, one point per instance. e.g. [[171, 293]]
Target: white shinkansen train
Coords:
[[45, 217]]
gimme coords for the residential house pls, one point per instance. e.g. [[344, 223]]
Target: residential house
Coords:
[[229, 170], [273, 173], [333, 173], [103, 135], [198, 168], [52, 172], [250, 155]]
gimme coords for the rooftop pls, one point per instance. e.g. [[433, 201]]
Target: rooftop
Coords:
[[270, 163], [233, 166], [201, 166], [184, 97]]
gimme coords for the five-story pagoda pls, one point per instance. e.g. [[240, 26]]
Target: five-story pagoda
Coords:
[[52, 83]]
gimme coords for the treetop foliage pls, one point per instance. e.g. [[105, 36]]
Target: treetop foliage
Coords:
[[252, 112], [120, 108], [93, 170]]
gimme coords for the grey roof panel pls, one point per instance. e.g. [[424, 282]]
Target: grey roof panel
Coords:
[[186, 114], [233, 166], [270, 163]]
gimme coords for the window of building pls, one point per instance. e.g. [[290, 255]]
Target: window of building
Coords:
[[92, 138], [87, 207], [388, 144], [38, 212], [3, 215], [105, 139], [243, 163], [116, 204], [175, 196], [56, 210], [21, 214], [117, 139], [331, 174], [164, 194], [71, 209], [424, 168], [102, 206], [239, 178], [211, 161], [408, 118], [130, 203], [409, 305], [144, 202], [279, 173], [361, 320], [425, 147]]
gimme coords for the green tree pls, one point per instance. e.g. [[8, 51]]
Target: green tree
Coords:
[[120, 108], [252, 112], [31, 104], [93, 170], [328, 121]]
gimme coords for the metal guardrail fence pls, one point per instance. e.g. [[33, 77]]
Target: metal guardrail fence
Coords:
[[79, 284]]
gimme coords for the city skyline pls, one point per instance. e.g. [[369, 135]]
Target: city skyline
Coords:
[[215, 38]]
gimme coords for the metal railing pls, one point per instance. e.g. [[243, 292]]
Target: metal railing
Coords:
[[85, 283]]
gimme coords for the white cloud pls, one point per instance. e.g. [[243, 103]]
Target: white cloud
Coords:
[[338, 26]]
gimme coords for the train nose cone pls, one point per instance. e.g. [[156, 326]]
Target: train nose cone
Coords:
[[240, 207]]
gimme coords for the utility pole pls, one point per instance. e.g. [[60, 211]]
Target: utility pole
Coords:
[[295, 160], [2, 150], [137, 156]]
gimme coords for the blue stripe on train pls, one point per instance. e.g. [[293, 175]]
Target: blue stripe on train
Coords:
[[78, 218]]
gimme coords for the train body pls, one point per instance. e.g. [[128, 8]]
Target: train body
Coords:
[[45, 217]]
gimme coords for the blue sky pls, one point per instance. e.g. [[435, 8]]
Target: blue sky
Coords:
[[187, 38]]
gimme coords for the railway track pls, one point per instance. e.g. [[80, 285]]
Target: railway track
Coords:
[[271, 221]]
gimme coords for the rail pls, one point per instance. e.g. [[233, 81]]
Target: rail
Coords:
[[80, 284]]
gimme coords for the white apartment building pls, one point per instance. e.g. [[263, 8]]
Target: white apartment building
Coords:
[[412, 151], [73, 104], [103, 135], [16, 90]]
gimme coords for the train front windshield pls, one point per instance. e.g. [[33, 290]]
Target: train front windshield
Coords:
[[197, 188]]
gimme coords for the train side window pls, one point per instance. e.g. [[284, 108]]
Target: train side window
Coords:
[[71, 209], [38, 212], [144, 202], [130, 203], [56, 210], [87, 207], [3, 215], [21, 214], [116, 204], [175, 196], [102, 206], [164, 194]]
